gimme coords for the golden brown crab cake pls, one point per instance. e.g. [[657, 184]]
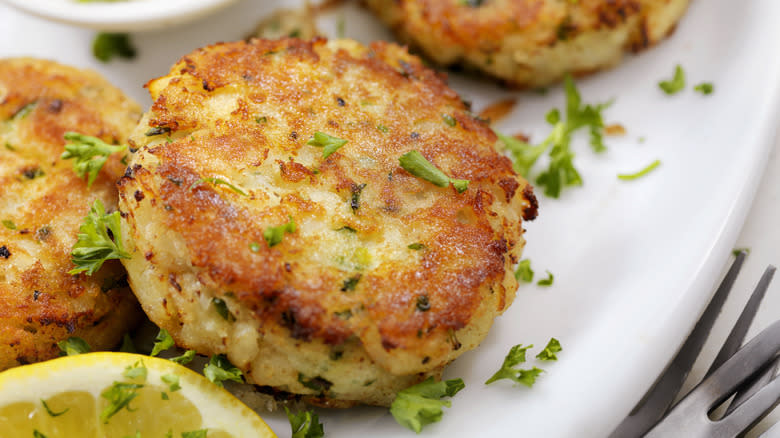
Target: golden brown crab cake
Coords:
[[42, 204], [529, 43], [383, 279]]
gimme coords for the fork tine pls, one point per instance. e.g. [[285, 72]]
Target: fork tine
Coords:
[[753, 387], [661, 395], [740, 329], [690, 414], [750, 412]]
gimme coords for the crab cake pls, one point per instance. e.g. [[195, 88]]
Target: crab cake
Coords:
[[271, 219], [529, 43], [42, 204]]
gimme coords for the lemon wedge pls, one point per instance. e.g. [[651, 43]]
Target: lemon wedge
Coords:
[[119, 395]]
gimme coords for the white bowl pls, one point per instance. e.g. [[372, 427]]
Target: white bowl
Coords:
[[120, 16]]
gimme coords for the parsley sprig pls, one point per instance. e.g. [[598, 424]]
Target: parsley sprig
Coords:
[[560, 172], [329, 143], [91, 153], [99, 239], [220, 369], [305, 424], [418, 405], [516, 356]]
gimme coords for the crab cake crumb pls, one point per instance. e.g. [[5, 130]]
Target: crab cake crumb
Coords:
[[42, 205], [276, 225], [529, 43]]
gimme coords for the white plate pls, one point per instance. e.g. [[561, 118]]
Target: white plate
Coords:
[[120, 16], [634, 262]]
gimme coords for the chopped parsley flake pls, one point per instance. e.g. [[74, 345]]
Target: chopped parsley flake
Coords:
[[631, 176], [524, 271], [219, 369], [416, 164], [560, 172], [254, 246], [350, 283], [417, 246], [705, 88], [185, 358], [274, 235], [676, 84], [90, 154], [222, 309], [418, 405], [449, 120], [37, 434], [305, 424], [119, 396], [172, 380], [546, 281], [552, 347], [737, 251], [136, 371], [218, 181], [329, 143], [195, 434], [50, 412], [163, 341], [99, 239], [515, 357], [73, 346], [9, 224], [109, 45]]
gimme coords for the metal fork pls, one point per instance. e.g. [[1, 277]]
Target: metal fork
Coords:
[[747, 373]]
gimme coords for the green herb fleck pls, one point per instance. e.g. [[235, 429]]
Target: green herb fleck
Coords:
[[546, 281], [416, 164], [37, 434], [449, 120], [119, 396], [738, 251], [418, 405], [222, 309], [218, 181], [423, 303], [273, 235], [91, 153], [172, 380], [262, 119], [329, 143], [9, 147], [73, 346], [9, 224], [345, 315], [354, 202], [254, 246], [318, 383], [185, 358], [163, 341], [136, 371], [524, 271], [704, 88], [676, 84], [195, 434], [417, 246], [382, 128], [552, 347], [127, 345], [108, 45], [99, 239], [305, 424], [515, 357], [631, 176], [50, 412], [350, 283], [219, 369]]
